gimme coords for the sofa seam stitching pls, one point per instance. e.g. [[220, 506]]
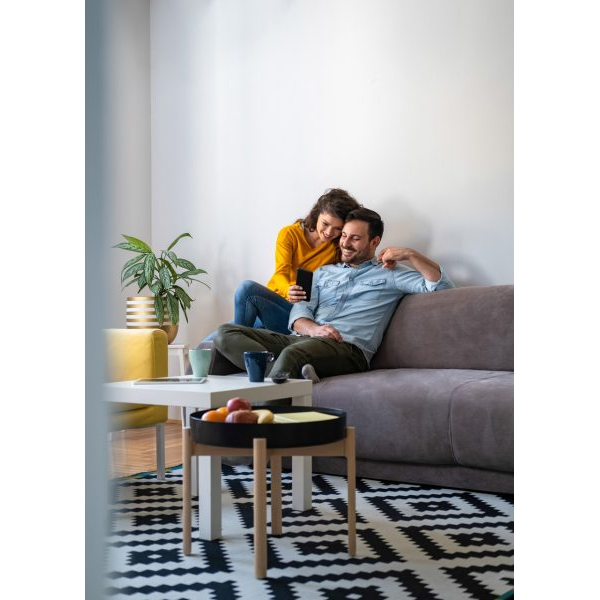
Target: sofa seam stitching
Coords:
[[465, 383], [450, 405]]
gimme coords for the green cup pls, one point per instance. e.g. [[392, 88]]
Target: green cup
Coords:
[[200, 361]]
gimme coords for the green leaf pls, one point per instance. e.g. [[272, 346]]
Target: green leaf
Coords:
[[177, 239], [156, 287], [165, 277], [185, 314], [172, 257], [142, 283], [159, 309], [174, 273], [142, 246], [134, 270], [184, 299], [149, 263], [185, 264], [125, 246], [129, 263], [198, 281], [132, 280], [193, 272], [173, 308]]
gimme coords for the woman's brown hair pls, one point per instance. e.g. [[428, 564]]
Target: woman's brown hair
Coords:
[[335, 202]]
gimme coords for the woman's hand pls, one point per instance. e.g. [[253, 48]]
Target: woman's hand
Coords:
[[296, 294]]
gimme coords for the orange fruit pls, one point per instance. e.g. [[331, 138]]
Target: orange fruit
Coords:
[[223, 410], [214, 416]]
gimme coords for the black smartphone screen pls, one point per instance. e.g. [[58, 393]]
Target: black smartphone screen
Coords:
[[304, 280]]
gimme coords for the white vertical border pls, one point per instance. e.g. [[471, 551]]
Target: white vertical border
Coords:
[[557, 190], [42, 241]]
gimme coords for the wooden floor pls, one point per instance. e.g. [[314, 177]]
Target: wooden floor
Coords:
[[134, 450]]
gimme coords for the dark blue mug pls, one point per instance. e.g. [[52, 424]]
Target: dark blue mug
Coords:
[[256, 364]]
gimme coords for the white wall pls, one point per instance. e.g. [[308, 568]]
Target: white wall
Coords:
[[127, 140], [258, 107]]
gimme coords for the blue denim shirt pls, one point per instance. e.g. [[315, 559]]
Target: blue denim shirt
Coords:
[[360, 301]]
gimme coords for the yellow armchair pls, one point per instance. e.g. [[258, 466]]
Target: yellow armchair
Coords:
[[133, 354]]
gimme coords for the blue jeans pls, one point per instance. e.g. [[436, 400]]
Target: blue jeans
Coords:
[[257, 306]]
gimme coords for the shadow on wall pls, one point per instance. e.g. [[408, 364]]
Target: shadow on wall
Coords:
[[462, 271], [405, 227]]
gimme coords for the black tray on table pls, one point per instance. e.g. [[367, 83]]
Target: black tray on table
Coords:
[[277, 435]]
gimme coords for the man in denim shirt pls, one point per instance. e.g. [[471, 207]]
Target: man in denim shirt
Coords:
[[352, 302]]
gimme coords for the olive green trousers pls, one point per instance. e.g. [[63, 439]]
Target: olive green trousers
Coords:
[[291, 352]]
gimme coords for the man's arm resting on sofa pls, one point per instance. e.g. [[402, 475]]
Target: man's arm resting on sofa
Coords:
[[428, 268]]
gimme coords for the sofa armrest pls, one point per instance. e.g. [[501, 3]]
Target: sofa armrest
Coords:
[[136, 353]]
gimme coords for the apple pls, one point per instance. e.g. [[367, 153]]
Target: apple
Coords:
[[242, 416], [238, 403]]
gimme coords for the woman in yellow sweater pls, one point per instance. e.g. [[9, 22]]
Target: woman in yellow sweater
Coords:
[[308, 243]]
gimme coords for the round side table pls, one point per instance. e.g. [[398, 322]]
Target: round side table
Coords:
[[261, 454]]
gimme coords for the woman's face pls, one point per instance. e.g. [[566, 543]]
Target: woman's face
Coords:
[[329, 227]]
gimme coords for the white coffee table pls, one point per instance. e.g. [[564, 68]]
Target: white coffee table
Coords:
[[214, 393]]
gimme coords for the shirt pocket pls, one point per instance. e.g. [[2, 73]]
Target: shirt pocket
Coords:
[[371, 289], [328, 292]]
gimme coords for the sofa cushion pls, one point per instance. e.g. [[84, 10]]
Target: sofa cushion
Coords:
[[461, 328], [482, 422], [400, 415]]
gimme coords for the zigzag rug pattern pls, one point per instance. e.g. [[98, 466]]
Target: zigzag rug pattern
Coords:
[[413, 542]]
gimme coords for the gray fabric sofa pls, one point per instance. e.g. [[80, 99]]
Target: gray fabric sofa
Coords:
[[437, 405]]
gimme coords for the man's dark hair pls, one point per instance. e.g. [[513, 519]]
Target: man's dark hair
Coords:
[[370, 217], [336, 202]]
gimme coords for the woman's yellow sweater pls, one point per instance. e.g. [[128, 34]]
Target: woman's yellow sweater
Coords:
[[293, 251]]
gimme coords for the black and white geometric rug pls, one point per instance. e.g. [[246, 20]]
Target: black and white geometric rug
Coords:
[[412, 542]]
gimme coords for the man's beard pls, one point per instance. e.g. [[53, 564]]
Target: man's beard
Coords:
[[356, 258]]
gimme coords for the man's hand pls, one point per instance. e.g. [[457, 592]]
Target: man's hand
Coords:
[[390, 256], [305, 326], [328, 331], [296, 294], [429, 269]]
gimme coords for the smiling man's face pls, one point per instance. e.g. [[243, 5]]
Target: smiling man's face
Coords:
[[355, 245]]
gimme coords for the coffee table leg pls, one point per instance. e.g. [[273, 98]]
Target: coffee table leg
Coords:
[[276, 495], [302, 470], [260, 508], [302, 482], [187, 500], [209, 497], [185, 422], [351, 471]]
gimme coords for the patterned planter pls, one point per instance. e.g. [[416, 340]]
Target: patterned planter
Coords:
[[140, 314]]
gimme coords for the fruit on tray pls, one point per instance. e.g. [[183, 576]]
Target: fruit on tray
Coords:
[[214, 416], [242, 416], [238, 403], [264, 415], [223, 410]]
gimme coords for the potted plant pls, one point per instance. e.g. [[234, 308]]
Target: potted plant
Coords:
[[161, 274]]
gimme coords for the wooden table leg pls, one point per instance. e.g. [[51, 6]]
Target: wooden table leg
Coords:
[[351, 470], [260, 508], [276, 495], [187, 492]]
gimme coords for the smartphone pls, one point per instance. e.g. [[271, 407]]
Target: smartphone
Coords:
[[304, 280]]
